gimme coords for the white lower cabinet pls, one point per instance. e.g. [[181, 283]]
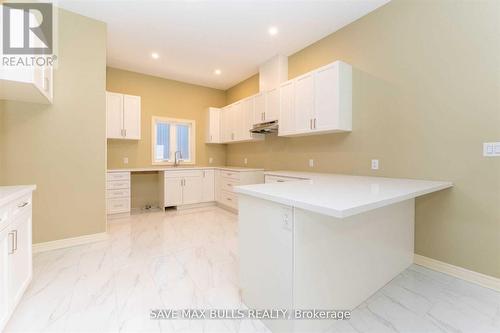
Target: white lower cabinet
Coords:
[[4, 258], [117, 192], [19, 263], [186, 187], [15, 254], [192, 190], [227, 179], [208, 185], [173, 192]]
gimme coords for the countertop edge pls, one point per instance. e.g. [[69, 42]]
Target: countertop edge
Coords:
[[341, 213], [19, 192]]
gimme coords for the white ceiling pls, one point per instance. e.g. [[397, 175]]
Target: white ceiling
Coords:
[[195, 37]]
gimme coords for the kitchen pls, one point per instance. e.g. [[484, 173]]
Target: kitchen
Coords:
[[329, 161]]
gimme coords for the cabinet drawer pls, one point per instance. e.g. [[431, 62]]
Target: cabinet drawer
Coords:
[[115, 185], [122, 193], [227, 184], [229, 199], [183, 173], [20, 205], [110, 176], [121, 205], [230, 174], [281, 179]]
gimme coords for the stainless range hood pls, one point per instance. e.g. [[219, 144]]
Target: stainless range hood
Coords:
[[265, 128]]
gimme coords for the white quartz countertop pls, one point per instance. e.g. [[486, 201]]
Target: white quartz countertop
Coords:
[[9, 193], [340, 195], [170, 168]]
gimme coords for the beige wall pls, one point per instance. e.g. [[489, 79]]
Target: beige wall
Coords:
[[166, 98], [61, 147], [426, 86]]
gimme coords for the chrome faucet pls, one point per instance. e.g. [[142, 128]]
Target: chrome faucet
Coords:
[[177, 162]]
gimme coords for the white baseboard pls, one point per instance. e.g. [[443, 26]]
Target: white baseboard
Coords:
[[459, 272], [68, 242], [196, 205]]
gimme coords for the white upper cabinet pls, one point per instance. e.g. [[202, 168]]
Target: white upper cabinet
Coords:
[[287, 115], [266, 106], [123, 116], [213, 130], [304, 103], [132, 117], [322, 102], [237, 120], [259, 108], [272, 105], [26, 83]]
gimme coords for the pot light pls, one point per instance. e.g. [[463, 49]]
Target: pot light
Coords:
[[273, 31], [217, 72], [155, 55]]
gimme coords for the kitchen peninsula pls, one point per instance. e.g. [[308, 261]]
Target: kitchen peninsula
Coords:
[[326, 241]]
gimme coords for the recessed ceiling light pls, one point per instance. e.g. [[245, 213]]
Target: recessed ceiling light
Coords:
[[217, 72], [155, 55], [273, 31]]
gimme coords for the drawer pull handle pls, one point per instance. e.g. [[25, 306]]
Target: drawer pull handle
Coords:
[[280, 181], [24, 204], [229, 199], [12, 249]]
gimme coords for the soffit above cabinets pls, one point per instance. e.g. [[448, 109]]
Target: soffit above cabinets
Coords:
[[193, 38]]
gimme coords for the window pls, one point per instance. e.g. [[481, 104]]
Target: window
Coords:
[[171, 136]]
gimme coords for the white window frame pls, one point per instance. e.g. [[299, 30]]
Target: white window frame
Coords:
[[173, 140]]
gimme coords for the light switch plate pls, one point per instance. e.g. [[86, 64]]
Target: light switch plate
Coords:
[[491, 149], [374, 164], [245, 160], [125, 160], [311, 163], [210, 160]]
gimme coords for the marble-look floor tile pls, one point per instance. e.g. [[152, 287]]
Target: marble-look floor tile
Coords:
[[189, 259]]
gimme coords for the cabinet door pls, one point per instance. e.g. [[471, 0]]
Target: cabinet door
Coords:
[[192, 190], [272, 105], [259, 108], [114, 115], [246, 119], [237, 123], [132, 117], [326, 99], [213, 130], [208, 185], [287, 118], [20, 267], [304, 103], [4, 291], [227, 128], [173, 192]]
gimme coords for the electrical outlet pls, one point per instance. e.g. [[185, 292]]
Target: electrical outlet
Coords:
[[245, 160], [374, 164], [210, 160], [491, 149], [125, 160], [311, 163]]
